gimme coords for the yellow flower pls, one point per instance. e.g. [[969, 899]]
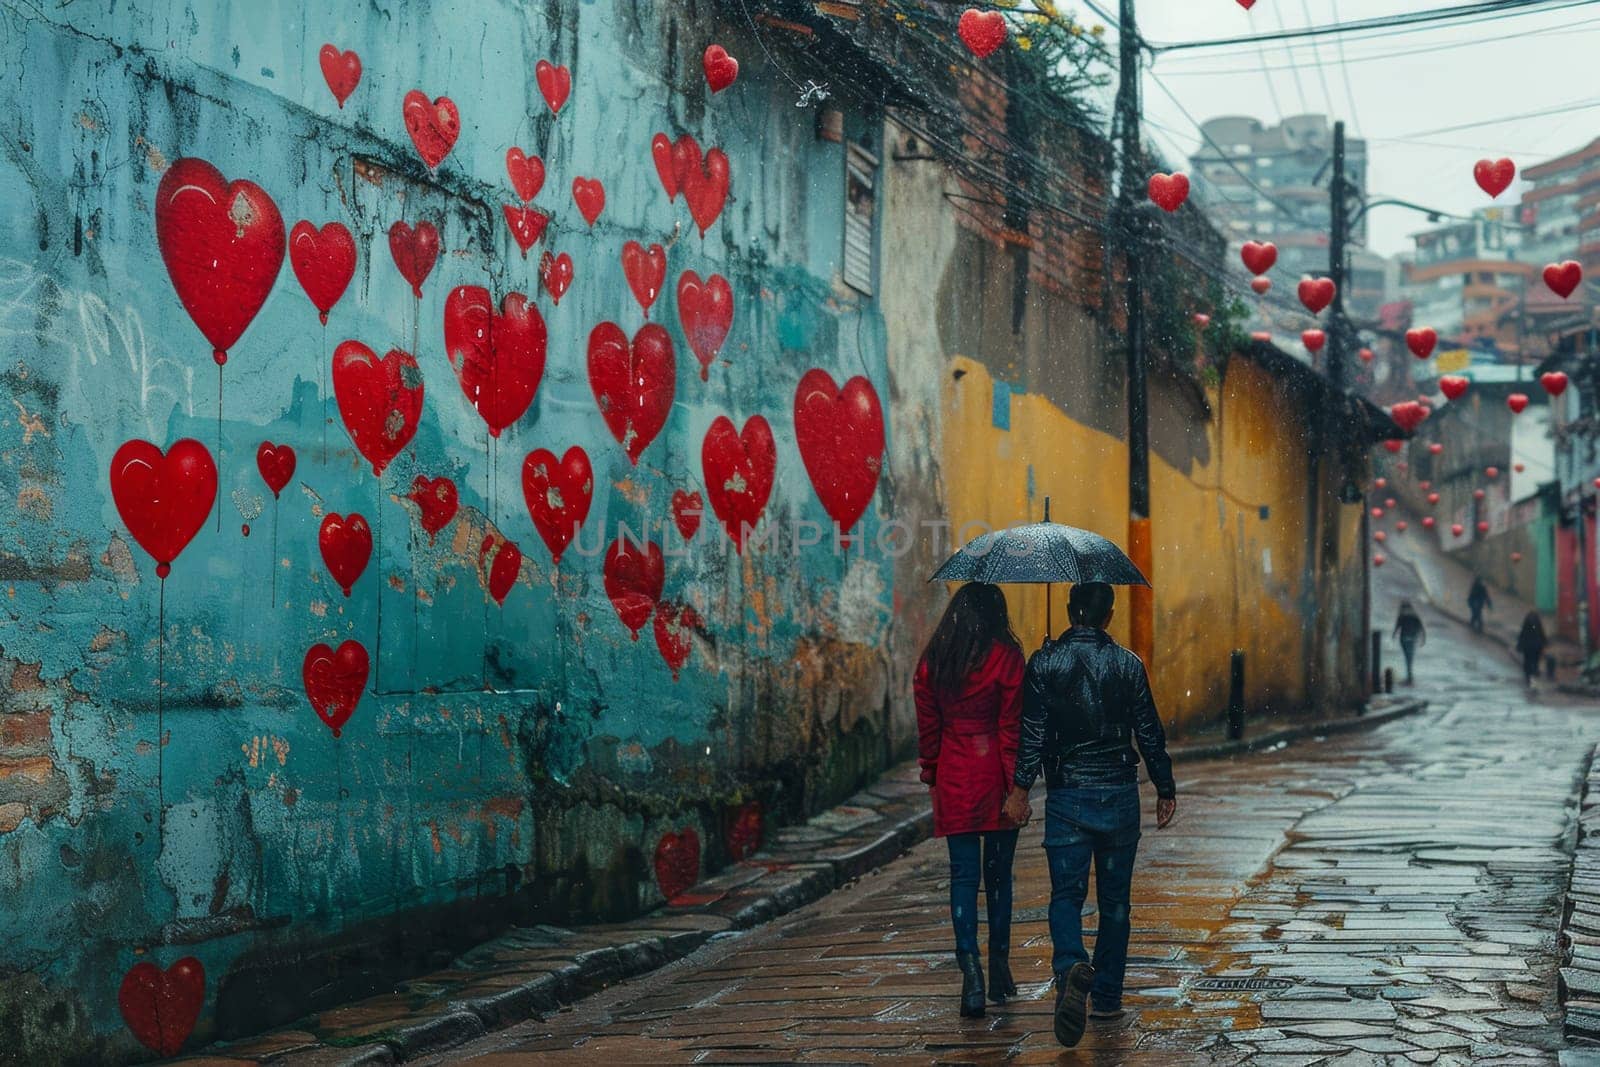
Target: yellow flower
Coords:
[[1047, 7], [1098, 31], [1024, 43]]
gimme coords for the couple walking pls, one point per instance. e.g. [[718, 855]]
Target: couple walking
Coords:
[[987, 725]]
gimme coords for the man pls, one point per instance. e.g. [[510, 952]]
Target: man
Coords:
[[1085, 704], [1477, 600]]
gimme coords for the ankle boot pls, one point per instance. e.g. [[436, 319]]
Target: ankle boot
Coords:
[[1001, 984], [971, 984]]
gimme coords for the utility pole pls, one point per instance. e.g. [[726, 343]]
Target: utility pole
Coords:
[[1330, 457], [1338, 236]]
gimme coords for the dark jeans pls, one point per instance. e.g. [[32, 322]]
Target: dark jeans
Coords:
[[996, 848], [1476, 622], [1410, 650], [1530, 666], [1098, 824]]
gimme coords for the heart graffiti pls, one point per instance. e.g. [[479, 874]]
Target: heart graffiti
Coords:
[[981, 31], [705, 311], [380, 400], [433, 125], [666, 167], [276, 464], [414, 251], [324, 261], [634, 577], [526, 173], [527, 225], [558, 494], [633, 383], [161, 1007], [555, 84], [674, 628], [841, 439], [720, 68], [687, 510], [436, 501], [702, 180], [677, 862], [334, 681], [346, 544], [555, 274], [500, 572], [738, 467], [646, 272], [499, 358], [163, 499], [590, 196], [341, 70]]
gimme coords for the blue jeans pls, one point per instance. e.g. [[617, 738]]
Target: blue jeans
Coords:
[[1099, 824], [997, 848]]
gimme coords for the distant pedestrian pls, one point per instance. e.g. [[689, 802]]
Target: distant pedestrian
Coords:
[[1531, 643], [1477, 601], [1409, 629], [968, 690], [1086, 704]]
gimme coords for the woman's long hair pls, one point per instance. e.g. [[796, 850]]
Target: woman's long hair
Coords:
[[1532, 631], [975, 619]]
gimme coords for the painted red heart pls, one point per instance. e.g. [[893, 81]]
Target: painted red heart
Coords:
[[526, 173], [414, 251], [674, 629], [841, 439], [555, 273], [1517, 402], [633, 384], [276, 464], [666, 169], [590, 196], [1168, 191], [1494, 176], [687, 510], [555, 84], [1366, 355], [646, 272], [346, 544], [433, 125], [705, 310], [341, 70], [738, 468], [334, 681], [1421, 341], [500, 572], [223, 245], [1453, 386], [558, 494], [745, 831], [498, 358], [1313, 339], [324, 261], [677, 862], [379, 400], [436, 501], [634, 577], [704, 182], [1554, 382], [1564, 278], [527, 225], [1259, 256], [161, 1007], [1260, 285], [163, 499], [720, 68], [981, 31], [1316, 293]]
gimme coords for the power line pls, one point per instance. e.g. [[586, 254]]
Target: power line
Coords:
[[1505, 118], [1299, 89], [1344, 69], [1316, 55]]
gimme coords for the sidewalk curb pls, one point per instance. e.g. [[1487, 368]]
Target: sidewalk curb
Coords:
[[1298, 731], [1578, 978]]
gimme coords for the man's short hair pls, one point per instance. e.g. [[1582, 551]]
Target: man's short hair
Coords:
[[1090, 604]]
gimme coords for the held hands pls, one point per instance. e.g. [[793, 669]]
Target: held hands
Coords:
[[1166, 808], [1016, 807]]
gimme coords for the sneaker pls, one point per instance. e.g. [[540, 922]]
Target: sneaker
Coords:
[[1072, 1003], [1106, 1013]]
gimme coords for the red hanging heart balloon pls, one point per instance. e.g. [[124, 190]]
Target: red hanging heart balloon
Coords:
[[1428, 522], [527, 225], [161, 1007], [590, 196], [346, 545], [1379, 536], [1517, 402], [720, 68], [1366, 355], [981, 31], [558, 494], [1456, 529], [1453, 386], [1316, 293], [1261, 285], [666, 169], [1494, 175], [1435, 448], [555, 274], [1564, 278], [646, 272], [1259, 256], [1408, 414], [379, 400], [1491, 473], [324, 261], [526, 173], [501, 572], [555, 84], [341, 70], [498, 358], [687, 510], [705, 310], [1246, 4], [433, 125], [633, 384], [1554, 382], [704, 182], [163, 499], [334, 681], [634, 577], [1168, 191], [1313, 339], [276, 464], [436, 501], [1394, 446], [414, 251], [674, 627], [841, 440], [223, 246], [677, 863], [738, 468], [1421, 341]]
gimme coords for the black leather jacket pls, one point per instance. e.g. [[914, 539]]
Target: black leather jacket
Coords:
[[1085, 703]]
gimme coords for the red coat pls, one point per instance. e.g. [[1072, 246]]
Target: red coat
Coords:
[[967, 742]]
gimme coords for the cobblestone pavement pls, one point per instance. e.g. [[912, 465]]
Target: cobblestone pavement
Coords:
[[1381, 897]]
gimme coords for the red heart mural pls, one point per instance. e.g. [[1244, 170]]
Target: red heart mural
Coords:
[[346, 545], [498, 358], [161, 1007], [414, 251], [223, 246], [1517, 402], [646, 272], [526, 173], [379, 400], [841, 439], [324, 261], [276, 464], [633, 384], [1316, 293], [720, 68], [590, 196], [738, 469], [981, 31], [1421, 341], [558, 494], [674, 628], [687, 510], [1168, 191], [705, 310], [436, 501], [1564, 278], [341, 70], [666, 169], [334, 681], [704, 183], [1554, 382], [555, 273], [1259, 256], [502, 571], [527, 225], [1261, 285], [1313, 339], [163, 499], [744, 834], [1494, 176], [433, 125], [634, 576], [1453, 386], [555, 84]]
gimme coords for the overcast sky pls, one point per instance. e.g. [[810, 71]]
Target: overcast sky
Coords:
[[1509, 65]]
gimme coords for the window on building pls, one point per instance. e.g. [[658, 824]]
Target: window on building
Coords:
[[860, 215]]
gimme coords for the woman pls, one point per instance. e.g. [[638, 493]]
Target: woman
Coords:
[[969, 707], [1531, 643], [1408, 628]]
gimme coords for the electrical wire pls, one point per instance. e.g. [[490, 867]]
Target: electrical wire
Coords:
[[1299, 89], [1584, 106], [1316, 55], [1344, 68]]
